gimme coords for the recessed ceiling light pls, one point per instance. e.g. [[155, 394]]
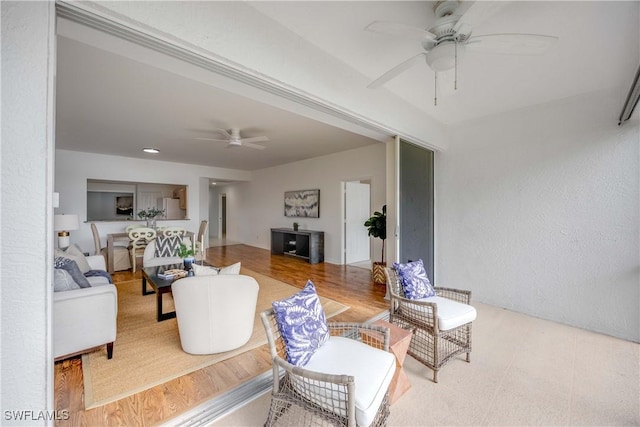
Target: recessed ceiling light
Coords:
[[151, 150], [213, 183]]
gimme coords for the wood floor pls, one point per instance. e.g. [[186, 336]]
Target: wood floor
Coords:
[[349, 285]]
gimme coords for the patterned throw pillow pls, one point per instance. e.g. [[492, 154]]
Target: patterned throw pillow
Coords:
[[415, 282], [302, 324], [73, 269], [167, 246]]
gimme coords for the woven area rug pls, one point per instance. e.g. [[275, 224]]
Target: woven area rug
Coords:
[[148, 353]]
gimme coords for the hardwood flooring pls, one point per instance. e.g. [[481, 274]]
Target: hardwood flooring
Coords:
[[349, 285]]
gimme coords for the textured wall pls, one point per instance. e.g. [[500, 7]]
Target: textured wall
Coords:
[[26, 233], [538, 211]]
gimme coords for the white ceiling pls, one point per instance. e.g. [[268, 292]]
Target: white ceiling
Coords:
[[110, 104]]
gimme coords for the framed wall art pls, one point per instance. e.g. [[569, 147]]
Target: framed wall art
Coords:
[[302, 203], [124, 205]]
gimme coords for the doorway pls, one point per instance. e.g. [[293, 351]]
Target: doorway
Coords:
[[222, 217], [357, 208]]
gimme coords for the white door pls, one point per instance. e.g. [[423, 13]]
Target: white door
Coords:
[[357, 205]]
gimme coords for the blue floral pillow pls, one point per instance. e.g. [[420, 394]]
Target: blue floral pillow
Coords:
[[415, 282], [302, 324]]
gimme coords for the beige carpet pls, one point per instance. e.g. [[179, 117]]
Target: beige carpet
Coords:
[[524, 371], [147, 353]]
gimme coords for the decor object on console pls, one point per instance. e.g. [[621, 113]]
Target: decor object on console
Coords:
[[377, 226], [344, 382], [303, 203], [441, 324], [84, 318], [64, 223], [215, 313], [295, 226]]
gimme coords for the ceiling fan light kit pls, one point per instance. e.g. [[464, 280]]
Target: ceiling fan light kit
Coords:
[[450, 35]]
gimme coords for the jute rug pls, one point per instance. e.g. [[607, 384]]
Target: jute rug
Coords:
[[148, 353]]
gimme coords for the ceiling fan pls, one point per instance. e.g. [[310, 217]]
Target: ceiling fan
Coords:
[[450, 35], [232, 138]]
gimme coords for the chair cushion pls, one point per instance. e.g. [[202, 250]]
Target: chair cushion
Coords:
[[371, 368], [451, 314], [302, 324], [414, 280], [203, 270], [168, 246]]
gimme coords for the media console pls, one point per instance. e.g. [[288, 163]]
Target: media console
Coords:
[[305, 244]]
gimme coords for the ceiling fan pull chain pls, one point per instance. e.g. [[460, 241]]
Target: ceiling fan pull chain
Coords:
[[455, 80], [435, 89]]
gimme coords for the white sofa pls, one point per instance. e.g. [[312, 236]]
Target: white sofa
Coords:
[[215, 313], [85, 318]]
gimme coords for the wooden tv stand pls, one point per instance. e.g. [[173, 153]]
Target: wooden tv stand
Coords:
[[304, 244]]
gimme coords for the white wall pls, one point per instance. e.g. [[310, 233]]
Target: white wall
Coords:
[[255, 207], [72, 169], [26, 235], [538, 211]]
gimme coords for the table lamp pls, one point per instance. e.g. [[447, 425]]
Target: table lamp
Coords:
[[63, 224]]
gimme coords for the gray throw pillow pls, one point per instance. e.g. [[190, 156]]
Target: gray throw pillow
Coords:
[[74, 253], [73, 269], [62, 281]]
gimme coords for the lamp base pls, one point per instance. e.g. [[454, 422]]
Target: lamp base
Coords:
[[63, 239]]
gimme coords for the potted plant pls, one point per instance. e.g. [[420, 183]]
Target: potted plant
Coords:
[[150, 215], [188, 258], [295, 226], [377, 226]]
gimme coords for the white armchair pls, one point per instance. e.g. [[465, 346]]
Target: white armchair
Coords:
[[85, 318], [215, 313]]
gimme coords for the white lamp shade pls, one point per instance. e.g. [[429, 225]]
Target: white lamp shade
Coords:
[[66, 222]]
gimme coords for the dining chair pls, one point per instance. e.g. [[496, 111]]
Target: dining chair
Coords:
[[140, 237], [121, 259], [200, 239]]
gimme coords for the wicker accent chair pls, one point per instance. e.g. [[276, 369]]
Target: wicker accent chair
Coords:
[[441, 324], [305, 397]]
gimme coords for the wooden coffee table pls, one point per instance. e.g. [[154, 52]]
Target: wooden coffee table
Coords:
[[398, 345], [160, 287]]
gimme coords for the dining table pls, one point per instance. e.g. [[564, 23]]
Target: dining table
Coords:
[[114, 238]]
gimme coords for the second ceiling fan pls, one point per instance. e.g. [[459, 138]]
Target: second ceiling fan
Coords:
[[232, 139]]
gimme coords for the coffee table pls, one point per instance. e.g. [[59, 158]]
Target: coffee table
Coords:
[[160, 287]]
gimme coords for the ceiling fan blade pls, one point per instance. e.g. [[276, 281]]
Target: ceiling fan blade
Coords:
[[395, 71], [254, 139], [478, 12], [511, 44], [398, 29], [250, 145], [222, 131], [213, 139]]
